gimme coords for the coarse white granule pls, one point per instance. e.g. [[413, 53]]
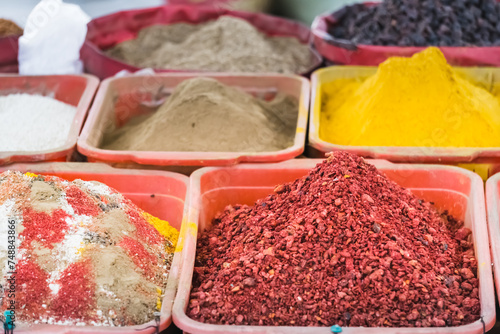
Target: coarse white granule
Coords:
[[33, 122]]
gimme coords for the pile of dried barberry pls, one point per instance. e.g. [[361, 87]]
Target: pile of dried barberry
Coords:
[[343, 245], [420, 23]]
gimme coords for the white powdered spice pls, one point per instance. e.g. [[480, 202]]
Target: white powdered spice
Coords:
[[33, 122]]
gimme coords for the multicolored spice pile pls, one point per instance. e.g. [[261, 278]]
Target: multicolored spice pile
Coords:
[[83, 253], [344, 246]]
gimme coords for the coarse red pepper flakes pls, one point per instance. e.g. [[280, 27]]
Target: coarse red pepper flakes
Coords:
[[343, 245]]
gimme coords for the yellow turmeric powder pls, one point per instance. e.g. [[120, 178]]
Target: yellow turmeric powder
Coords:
[[417, 101], [168, 232]]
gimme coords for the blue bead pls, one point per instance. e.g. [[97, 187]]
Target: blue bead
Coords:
[[336, 329], [8, 320]]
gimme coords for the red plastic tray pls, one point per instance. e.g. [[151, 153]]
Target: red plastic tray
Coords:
[[9, 47], [107, 31], [450, 188], [373, 55], [129, 91], [76, 90], [493, 206], [171, 192]]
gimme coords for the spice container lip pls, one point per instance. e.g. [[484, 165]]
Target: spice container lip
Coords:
[[94, 126], [333, 50], [73, 170], [492, 206], [102, 65], [82, 107], [475, 210], [317, 147]]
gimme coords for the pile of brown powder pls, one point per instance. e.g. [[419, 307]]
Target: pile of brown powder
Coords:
[[228, 44], [204, 115]]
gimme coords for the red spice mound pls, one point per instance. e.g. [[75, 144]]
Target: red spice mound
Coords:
[[343, 245]]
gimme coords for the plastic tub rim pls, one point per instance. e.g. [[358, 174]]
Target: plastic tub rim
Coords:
[[49, 168], [482, 255], [175, 158], [492, 204], [82, 109]]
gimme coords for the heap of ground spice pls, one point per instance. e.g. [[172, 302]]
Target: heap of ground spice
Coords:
[[83, 253], [202, 114], [419, 101], [228, 44], [343, 245], [8, 27]]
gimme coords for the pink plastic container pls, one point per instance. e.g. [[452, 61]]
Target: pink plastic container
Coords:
[[107, 31], [454, 189], [76, 90], [372, 55], [9, 47], [118, 99], [171, 192], [493, 206]]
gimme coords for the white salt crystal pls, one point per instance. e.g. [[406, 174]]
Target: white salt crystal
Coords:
[[33, 122]]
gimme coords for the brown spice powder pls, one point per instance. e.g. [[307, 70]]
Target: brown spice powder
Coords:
[[204, 115], [228, 44], [8, 27]]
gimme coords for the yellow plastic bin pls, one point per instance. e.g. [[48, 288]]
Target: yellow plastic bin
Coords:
[[484, 161]]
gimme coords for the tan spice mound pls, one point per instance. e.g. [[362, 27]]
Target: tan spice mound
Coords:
[[204, 115], [228, 44]]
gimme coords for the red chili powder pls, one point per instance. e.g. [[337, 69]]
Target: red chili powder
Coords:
[[144, 231], [343, 245], [76, 296], [81, 202], [32, 289], [139, 255], [43, 227]]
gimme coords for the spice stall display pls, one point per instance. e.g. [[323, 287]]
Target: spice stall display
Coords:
[[85, 254], [197, 38], [467, 31], [41, 116], [407, 109], [190, 120], [340, 243]]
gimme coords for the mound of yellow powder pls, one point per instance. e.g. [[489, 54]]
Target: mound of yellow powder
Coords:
[[417, 101]]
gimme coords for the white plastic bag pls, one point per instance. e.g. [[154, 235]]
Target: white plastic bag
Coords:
[[53, 36]]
